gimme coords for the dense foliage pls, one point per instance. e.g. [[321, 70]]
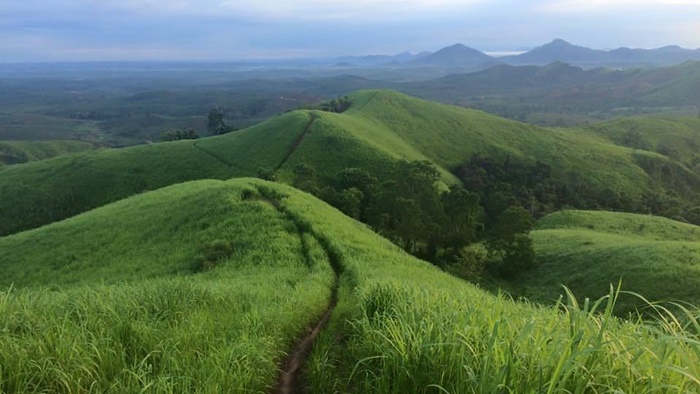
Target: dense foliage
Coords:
[[408, 207]]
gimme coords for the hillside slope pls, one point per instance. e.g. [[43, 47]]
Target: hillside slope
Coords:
[[676, 137], [379, 128], [587, 251], [197, 287], [16, 152], [400, 326]]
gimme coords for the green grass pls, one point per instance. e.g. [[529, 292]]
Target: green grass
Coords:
[[113, 300], [401, 325], [16, 152], [379, 128], [676, 137], [587, 251]]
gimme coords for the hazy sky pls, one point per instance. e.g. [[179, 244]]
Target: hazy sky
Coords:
[[65, 30]]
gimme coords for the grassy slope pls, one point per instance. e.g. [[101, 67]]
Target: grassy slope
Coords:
[[380, 126], [108, 301], [401, 325], [677, 137], [15, 152], [587, 251], [34, 194]]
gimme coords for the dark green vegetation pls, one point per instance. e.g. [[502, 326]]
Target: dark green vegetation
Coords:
[[16, 152], [586, 250], [156, 322]]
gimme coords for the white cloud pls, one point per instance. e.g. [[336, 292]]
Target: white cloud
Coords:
[[292, 9], [574, 6]]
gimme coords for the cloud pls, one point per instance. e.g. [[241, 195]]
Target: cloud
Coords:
[[578, 6], [234, 29], [269, 10]]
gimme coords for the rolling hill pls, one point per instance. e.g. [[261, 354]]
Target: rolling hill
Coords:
[[672, 136], [17, 152], [380, 127], [197, 287], [142, 312], [587, 251]]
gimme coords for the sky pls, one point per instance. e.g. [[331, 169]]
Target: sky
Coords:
[[111, 30]]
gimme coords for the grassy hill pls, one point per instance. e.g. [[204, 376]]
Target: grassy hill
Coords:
[[198, 287], [675, 137], [587, 251], [113, 320], [16, 152], [379, 128]]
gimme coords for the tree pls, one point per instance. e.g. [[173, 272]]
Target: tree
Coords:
[[407, 208], [509, 240], [177, 135], [463, 218], [359, 180], [215, 122]]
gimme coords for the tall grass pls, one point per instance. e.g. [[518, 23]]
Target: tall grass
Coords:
[[223, 330], [403, 326], [586, 251], [400, 325]]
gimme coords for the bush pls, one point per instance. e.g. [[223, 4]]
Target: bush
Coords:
[[469, 262], [211, 254]]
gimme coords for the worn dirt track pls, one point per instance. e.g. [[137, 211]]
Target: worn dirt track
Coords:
[[289, 379]]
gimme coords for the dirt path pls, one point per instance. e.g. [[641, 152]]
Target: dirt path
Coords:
[[219, 158], [297, 142], [211, 154], [289, 379], [288, 382], [367, 102]]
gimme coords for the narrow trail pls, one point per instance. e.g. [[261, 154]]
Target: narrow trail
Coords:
[[367, 102], [289, 379], [289, 382], [217, 157], [297, 142]]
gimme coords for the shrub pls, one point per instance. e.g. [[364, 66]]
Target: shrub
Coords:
[[211, 254]]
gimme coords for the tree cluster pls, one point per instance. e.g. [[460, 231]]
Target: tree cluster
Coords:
[[541, 189], [408, 207], [337, 105], [216, 124], [177, 135]]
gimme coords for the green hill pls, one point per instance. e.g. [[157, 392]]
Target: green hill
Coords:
[[675, 137], [128, 305], [16, 152], [379, 128], [197, 287], [587, 251]]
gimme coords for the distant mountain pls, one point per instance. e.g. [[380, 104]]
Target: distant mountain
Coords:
[[506, 79], [456, 55], [557, 51], [379, 60], [562, 51]]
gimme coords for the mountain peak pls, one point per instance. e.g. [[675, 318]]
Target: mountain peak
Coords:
[[456, 55], [559, 42]]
